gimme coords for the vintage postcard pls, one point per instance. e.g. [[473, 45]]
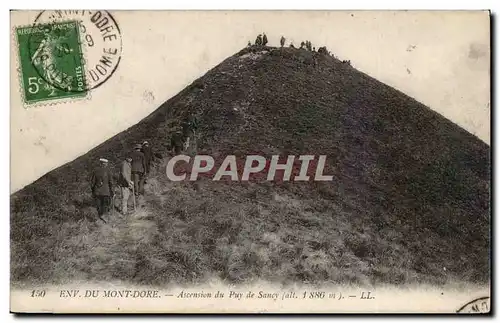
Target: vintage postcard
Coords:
[[250, 161]]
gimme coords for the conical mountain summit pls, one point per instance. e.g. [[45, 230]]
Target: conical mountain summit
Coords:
[[408, 202]]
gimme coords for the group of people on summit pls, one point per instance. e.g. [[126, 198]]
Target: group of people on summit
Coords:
[[131, 179], [261, 40]]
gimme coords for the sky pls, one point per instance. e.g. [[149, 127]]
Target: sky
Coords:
[[442, 59]]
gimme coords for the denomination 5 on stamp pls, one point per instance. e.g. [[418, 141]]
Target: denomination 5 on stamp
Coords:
[[51, 62]]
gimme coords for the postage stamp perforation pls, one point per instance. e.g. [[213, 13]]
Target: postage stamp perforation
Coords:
[[20, 78], [15, 44]]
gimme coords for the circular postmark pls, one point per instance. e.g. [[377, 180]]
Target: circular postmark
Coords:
[[479, 305], [75, 50]]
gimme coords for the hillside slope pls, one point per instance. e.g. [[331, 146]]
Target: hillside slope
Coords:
[[409, 201]]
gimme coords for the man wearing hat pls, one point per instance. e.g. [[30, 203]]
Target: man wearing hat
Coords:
[[126, 183], [138, 168], [102, 186], [148, 156]]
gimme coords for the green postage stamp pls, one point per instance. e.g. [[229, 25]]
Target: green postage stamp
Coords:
[[51, 62]]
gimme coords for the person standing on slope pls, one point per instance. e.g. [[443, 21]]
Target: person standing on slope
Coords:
[[148, 156], [258, 41], [102, 187], [138, 168], [176, 142], [264, 39], [282, 41], [126, 183]]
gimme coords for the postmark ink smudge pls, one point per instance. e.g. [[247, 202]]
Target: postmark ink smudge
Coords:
[[99, 37]]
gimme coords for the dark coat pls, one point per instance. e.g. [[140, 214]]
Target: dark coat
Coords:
[[138, 162], [264, 40], [148, 154], [101, 182]]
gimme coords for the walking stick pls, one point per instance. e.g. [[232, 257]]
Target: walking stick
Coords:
[[113, 205], [133, 194]]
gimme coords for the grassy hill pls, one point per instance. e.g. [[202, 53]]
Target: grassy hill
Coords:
[[409, 202]]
